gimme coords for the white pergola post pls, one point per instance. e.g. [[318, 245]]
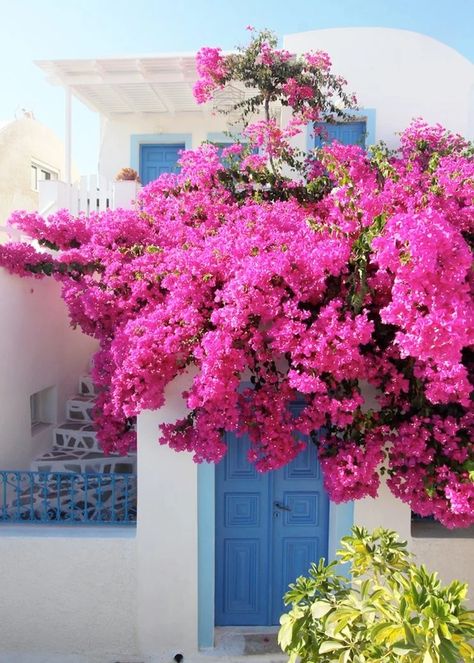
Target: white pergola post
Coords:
[[68, 134], [68, 142]]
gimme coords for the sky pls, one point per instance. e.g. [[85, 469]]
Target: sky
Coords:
[[59, 29]]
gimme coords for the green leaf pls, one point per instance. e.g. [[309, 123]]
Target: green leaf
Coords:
[[330, 646], [449, 653], [320, 608], [402, 649], [285, 634], [344, 657], [386, 633]]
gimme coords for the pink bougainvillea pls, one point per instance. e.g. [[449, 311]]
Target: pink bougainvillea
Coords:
[[339, 279]]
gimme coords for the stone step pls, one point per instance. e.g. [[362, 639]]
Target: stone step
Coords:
[[76, 435], [87, 387], [80, 408], [73, 435], [84, 461]]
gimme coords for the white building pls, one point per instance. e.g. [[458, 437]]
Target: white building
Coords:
[[150, 594]]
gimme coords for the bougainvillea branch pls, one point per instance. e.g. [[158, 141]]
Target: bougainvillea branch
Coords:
[[349, 275]]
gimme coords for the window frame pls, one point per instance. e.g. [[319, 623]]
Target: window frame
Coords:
[[36, 167]]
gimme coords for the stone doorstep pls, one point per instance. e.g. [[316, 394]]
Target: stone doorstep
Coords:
[[228, 658], [247, 643]]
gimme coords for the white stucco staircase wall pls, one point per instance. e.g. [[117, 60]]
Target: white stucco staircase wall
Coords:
[[38, 350]]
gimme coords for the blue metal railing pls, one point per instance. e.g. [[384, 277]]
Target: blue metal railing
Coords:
[[68, 498]]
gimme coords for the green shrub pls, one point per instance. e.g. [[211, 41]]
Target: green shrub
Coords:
[[391, 609]]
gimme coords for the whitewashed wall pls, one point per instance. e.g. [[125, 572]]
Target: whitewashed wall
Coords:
[[115, 134], [451, 557], [401, 74], [38, 350], [68, 595]]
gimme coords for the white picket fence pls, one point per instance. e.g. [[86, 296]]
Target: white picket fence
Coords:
[[91, 194], [87, 196]]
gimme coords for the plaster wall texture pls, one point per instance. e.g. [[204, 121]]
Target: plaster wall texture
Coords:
[[67, 596], [23, 141], [115, 152], [402, 74], [38, 350], [167, 546], [451, 557]]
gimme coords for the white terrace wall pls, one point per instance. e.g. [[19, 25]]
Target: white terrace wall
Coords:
[[68, 595], [400, 74], [38, 350]]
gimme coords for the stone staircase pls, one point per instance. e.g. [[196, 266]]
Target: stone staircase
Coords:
[[75, 446], [74, 482]]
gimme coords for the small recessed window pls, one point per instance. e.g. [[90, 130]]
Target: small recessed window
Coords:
[[42, 409], [41, 172], [429, 528]]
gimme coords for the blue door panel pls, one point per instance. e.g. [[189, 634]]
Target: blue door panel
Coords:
[[347, 133], [300, 528], [158, 159], [241, 543], [269, 529]]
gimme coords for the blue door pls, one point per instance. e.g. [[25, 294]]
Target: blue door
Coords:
[[347, 133], [269, 528], [158, 159]]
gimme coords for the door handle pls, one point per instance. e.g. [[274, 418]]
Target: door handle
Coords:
[[281, 506]]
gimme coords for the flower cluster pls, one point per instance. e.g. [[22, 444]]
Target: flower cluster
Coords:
[[347, 292], [211, 69], [350, 470]]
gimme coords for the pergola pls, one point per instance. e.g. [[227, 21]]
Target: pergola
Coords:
[[113, 87]]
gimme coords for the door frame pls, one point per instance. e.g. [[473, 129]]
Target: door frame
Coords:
[[360, 115], [341, 519], [137, 140]]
